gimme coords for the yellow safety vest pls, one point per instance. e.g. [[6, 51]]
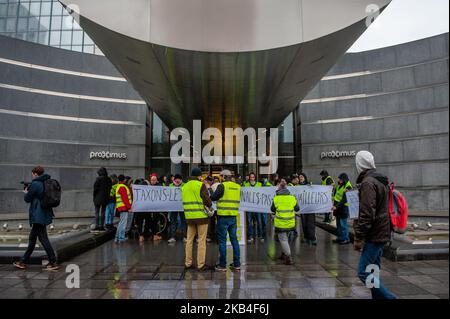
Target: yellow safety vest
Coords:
[[192, 201], [324, 182], [112, 193], [284, 215], [228, 205], [119, 202], [340, 189], [257, 184]]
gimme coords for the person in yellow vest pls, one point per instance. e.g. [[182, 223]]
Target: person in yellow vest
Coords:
[[228, 197], [340, 209], [284, 206], [195, 198], [251, 217], [123, 206], [327, 180]]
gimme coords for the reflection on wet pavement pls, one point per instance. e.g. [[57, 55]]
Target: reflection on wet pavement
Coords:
[[155, 270]]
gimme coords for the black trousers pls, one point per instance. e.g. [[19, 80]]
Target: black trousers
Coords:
[[309, 226], [39, 231], [100, 211], [143, 223]]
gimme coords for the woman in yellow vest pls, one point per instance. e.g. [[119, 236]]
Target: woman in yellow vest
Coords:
[[123, 206], [284, 206], [340, 209]]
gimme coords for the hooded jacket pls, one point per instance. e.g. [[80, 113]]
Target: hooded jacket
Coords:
[[34, 196], [102, 188], [373, 222]]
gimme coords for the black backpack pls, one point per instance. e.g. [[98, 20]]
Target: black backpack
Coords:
[[52, 194]]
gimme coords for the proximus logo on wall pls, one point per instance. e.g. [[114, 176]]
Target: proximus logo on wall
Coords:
[[107, 155], [337, 154]]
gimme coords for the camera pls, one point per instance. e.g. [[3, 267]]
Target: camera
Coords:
[[25, 184]]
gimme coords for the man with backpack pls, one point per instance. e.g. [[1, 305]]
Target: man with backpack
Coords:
[[372, 227], [40, 216]]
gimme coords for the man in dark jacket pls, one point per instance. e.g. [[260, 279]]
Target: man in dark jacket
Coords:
[[39, 218], [372, 228], [102, 189]]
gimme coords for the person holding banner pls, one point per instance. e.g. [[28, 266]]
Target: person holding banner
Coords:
[[228, 197], [173, 216], [195, 198], [308, 220], [284, 206], [327, 180], [340, 209], [254, 217]]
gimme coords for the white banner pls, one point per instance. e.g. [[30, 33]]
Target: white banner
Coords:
[[312, 199], [353, 202]]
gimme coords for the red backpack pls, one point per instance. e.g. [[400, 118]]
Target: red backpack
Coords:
[[398, 210]]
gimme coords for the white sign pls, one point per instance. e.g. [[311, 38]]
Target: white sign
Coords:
[[311, 198], [353, 202]]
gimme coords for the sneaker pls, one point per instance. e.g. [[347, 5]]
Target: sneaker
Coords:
[[184, 240], [19, 264], [208, 240], [250, 241], [172, 240], [282, 256], [336, 241], [262, 240], [345, 242], [51, 267], [313, 243], [191, 267], [235, 268], [220, 268], [288, 260]]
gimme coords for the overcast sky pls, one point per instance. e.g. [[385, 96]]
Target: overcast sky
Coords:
[[405, 21]]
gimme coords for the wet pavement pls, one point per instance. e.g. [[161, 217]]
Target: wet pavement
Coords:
[[155, 270]]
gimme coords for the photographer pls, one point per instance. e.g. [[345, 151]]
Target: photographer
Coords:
[[39, 219]]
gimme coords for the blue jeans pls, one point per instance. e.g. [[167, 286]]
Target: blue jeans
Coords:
[[177, 221], [371, 255], [110, 210], [342, 229], [122, 227], [261, 222], [228, 225], [250, 228]]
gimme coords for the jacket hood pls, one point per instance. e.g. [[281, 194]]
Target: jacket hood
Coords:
[[102, 172], [364, 160], [373, 173], [42, 178], [283, 191]]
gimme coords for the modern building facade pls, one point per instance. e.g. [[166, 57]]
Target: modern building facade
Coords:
[[65, 110]]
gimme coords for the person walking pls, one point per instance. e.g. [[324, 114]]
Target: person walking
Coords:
[[340, 209], [195, 198], [39, 219], [372, 227], [251, 217], [329, 181], [228, 196], [176, 219], [102, 189], [123, 206], [308, 220], [111, 207], [284, 206]]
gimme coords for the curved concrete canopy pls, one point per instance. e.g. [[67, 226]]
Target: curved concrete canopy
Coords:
[[224, 25], [224, 89]]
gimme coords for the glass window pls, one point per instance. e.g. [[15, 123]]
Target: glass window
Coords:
[[44, 23], [55, 37], [67, 23], [78, 48], [22, 25], [88, 40], [11, 24], [12, 10], [21, 35], [24, 9], [76, 25], [65, 47], [43, 38], [35, 8], [56, 23], [3, 9], [46, 8], [88, 49], [77, 38], [66, 37], [33, 24], [57, 8], [32, 36], [2, 25]]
